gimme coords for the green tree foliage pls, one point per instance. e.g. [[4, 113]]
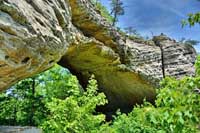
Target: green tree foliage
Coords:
[[18, 104], [192, 19], [61, 105], [117, 10], [54, 101], [176, 110], [76, 113], [103, 11]]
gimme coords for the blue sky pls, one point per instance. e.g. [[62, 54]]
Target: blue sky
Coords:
[[159, 16]]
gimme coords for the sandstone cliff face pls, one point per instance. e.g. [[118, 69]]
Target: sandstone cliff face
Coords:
[[36, 34]]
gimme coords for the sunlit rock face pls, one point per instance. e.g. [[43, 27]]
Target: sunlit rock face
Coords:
[[36, 34], [178, 59]]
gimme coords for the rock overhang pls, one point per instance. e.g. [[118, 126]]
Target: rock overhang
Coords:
[[34, 35]]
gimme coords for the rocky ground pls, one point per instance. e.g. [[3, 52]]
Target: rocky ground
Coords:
[[18, 129]]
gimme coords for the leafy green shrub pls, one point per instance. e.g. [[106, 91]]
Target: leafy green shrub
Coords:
[[76, 113], [176, 110], [59, 104], [103, 11]]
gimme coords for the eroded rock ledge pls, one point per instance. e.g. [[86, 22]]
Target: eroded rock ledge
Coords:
[[36, 34]]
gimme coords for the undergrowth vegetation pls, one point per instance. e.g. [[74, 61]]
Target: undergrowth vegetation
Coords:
[[55, 102], [102, 10]]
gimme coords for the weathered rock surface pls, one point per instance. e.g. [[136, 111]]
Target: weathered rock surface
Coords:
[[18, 129], [36, 34]]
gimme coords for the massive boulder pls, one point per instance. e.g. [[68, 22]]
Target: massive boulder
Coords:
[[36, 34]]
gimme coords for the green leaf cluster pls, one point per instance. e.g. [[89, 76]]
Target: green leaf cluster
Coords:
[[103, 11], [60, 105], [176, 109], [76, 113], [193, 18], [18, 103]]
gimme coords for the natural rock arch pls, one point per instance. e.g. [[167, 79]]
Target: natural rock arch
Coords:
[[36, 34]]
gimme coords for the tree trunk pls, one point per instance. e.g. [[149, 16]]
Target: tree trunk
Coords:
[[114, 19], [32, 103]]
